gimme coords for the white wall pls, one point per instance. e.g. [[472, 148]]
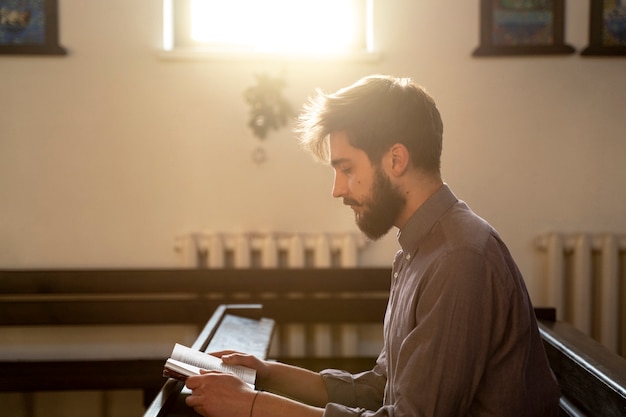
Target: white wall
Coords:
[[108, 153]]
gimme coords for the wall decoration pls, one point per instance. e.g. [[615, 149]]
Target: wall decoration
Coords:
[[29, 27], [607, 28], [522, 27], [268, 108]]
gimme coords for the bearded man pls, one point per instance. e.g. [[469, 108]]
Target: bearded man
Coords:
[[460, 334]]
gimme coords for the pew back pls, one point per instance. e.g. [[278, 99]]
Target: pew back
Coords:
[[592, 378], [171, 297]]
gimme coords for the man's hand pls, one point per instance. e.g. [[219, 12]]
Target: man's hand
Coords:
[[233, 358], [218, 394]]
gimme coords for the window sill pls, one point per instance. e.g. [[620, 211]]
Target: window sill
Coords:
[[190, 54]]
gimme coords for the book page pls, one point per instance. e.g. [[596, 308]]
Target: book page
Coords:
[[205, 361], [228, 335], [179, 370]]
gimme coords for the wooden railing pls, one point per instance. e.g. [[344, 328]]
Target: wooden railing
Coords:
[[592, 378]]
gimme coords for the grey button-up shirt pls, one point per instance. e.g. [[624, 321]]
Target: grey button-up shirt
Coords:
[[460, 334]]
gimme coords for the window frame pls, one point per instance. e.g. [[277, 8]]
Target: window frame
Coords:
[[178, 45]]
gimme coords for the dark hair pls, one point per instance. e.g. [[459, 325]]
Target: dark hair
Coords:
[[376, 112]]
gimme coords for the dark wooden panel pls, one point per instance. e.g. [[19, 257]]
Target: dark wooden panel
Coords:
[[592, 378], [80, 297], [193, 281], [108, 312], [135, 312], [27, 376]]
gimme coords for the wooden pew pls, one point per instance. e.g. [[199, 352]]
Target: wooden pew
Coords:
[[592, 379], [59, 297], [140, 297]]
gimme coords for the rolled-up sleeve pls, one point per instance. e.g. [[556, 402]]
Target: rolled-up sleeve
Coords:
[[354, 394]]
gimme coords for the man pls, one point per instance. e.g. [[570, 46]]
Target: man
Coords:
[[460, 336]]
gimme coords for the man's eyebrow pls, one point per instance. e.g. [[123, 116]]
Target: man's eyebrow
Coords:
[[338, 161]]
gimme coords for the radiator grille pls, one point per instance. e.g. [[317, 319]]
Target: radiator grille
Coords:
[[269, 250], [586, 282]]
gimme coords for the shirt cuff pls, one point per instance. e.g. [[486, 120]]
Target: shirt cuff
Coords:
[[338, 410], [339, 386]]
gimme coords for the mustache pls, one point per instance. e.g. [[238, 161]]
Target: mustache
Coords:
[[351, 202]]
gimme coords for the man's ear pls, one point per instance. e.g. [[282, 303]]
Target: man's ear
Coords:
[[400, 159]]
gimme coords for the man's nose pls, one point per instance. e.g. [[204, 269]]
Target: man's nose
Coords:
[[339, 187]]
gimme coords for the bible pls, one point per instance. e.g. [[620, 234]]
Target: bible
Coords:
[[185, 362]]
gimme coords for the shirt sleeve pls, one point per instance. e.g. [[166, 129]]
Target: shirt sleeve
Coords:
[[356, 395], [365, 389]]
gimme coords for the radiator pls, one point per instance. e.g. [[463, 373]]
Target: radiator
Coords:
[[289, 250], [586, 282], [269, 250]]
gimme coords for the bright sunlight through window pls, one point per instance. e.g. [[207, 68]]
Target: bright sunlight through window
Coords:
[[270, 26]]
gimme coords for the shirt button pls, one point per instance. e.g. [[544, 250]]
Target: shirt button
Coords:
[[408, 257], [395, 275]]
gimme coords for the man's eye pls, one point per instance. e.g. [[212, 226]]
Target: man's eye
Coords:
[[346, 171]]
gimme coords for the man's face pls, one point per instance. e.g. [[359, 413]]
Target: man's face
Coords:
[[364, 187]]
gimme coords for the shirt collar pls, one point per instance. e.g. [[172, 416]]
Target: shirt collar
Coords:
[[424, 218]]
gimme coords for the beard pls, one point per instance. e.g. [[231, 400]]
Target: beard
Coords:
[[380, 209]]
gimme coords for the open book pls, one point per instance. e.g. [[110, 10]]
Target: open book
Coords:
[[185, 362]]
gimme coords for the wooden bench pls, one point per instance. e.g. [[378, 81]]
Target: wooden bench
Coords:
[[164, 297], [592, 379]]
